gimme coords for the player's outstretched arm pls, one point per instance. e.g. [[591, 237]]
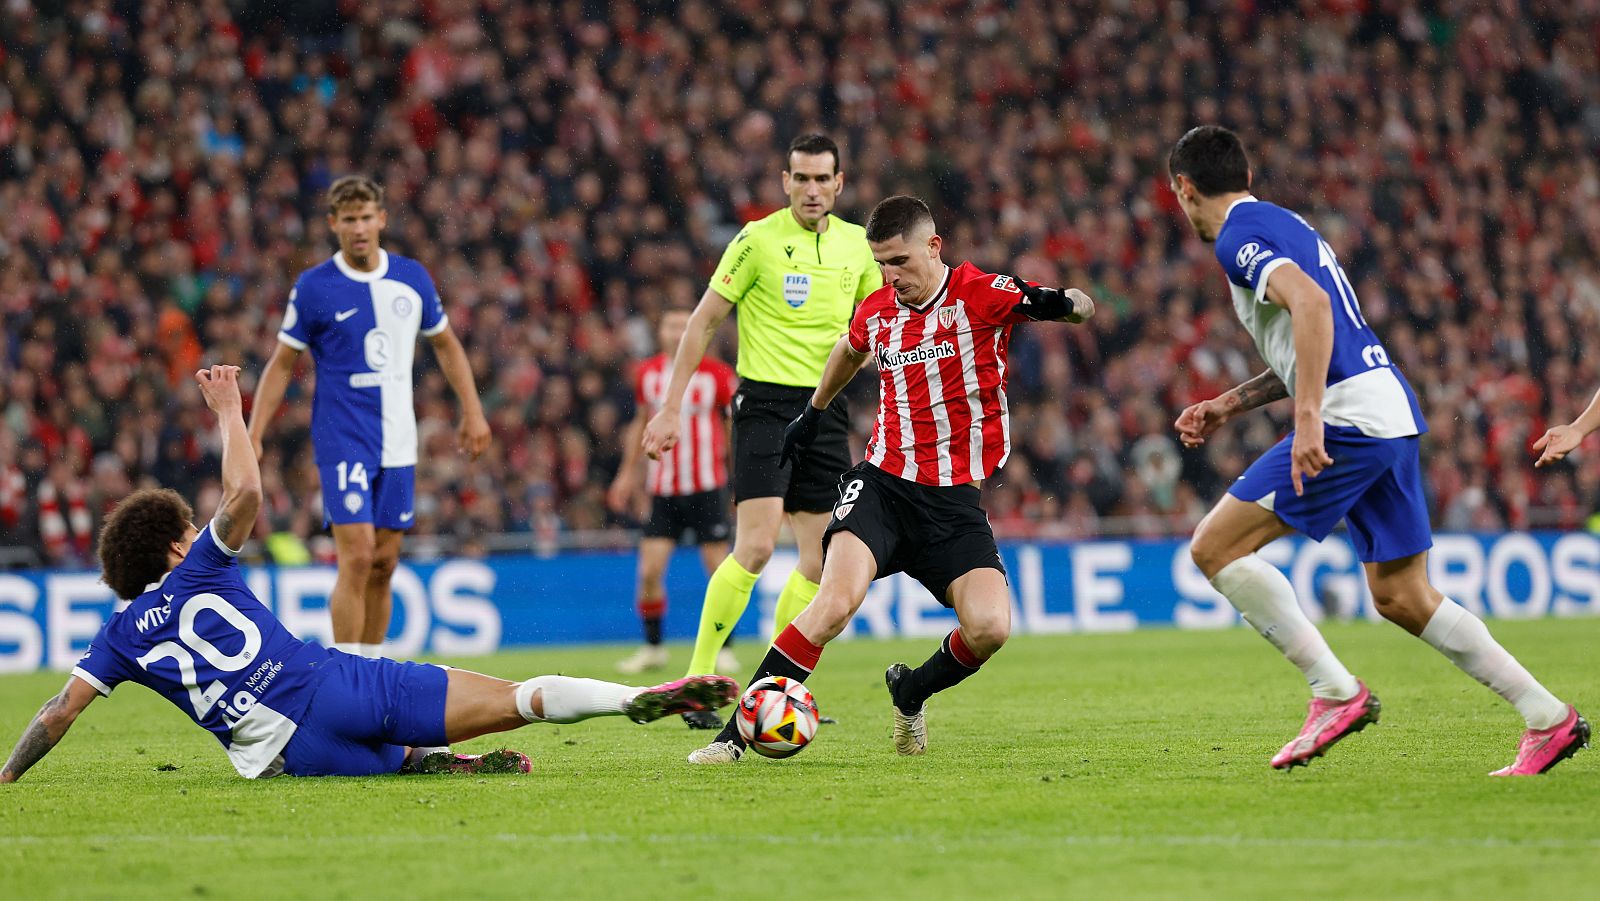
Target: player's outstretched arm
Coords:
[[1564, 439], [844, 362], [1197, 422], [270, 388], [241, 474], [1043, 304], [661, 433], [473, 435], [47, 727]]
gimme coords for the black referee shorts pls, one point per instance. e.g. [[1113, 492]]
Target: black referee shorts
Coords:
[[934, 534], [704, 516], [761, 410]]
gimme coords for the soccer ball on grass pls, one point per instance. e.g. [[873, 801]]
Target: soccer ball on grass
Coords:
[[777, 716]]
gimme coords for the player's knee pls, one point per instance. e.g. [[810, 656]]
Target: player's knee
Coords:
[[357, 559], [1403, 606], [1210, 552], [826, 616], [753, 553], [987, 635], [383, 567]]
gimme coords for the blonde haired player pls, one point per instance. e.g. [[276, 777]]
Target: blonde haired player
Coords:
[[359, 314]]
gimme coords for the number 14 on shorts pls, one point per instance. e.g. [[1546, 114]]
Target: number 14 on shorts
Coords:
[[352, 474]]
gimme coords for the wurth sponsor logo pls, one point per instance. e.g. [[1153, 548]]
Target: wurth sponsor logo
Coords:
[[894, 359]]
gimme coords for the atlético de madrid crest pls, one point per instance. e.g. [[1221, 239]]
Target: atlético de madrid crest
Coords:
[[947, 317]]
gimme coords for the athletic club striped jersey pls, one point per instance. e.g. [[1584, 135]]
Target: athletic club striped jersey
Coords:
[[942, 419], [699, 460]]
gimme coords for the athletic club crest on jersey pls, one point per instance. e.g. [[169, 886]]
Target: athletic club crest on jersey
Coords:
[[843, 510], [947, 317]]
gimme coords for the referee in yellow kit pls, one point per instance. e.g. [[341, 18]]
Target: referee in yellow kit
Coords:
[[795, 277]]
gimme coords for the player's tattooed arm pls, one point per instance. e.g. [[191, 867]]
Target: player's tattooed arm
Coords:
[[1259, 391], [47, 728]]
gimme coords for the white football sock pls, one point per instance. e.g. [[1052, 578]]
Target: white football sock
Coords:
[[1264, 597], [565, 699], [372, 650], [350, 647], [1463, 638]]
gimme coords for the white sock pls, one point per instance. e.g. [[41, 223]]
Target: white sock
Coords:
[[372, 650], [1463, 638], [567, 700], [350, 647], [1264, 597]]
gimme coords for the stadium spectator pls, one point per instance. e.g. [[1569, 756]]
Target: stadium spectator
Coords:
[[567, 170]]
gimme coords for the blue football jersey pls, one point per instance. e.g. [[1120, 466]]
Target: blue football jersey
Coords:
[[361, 329], [1365, 390], [203, 641]]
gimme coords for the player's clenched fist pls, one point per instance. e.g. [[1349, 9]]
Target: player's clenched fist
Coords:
[[661, 432], [220, 386], [1197, 423]]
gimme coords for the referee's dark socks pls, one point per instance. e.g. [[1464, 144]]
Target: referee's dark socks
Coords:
[[950, 664], [651, 612], [792, 655]]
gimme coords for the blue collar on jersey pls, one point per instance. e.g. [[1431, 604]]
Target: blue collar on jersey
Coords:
[[355, 274]]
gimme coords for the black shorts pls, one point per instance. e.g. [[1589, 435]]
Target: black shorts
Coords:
[[761, 410], [703, 515], [933, 534]]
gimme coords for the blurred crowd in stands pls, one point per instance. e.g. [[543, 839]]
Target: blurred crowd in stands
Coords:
[[568, 169]]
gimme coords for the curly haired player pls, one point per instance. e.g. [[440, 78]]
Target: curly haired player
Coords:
[[194, 632]]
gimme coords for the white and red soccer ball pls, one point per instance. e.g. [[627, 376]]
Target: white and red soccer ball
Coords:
[[777, 716]]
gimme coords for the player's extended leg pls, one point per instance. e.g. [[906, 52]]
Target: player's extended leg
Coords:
[[756, 524], [378, 595], [654, 553], [1405, 597], [846, 576], [983, 607], [476, 704], [1224, 548], [804, 580], [356, 545]]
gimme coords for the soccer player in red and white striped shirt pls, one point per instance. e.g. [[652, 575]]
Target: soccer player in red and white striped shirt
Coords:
[[939, 336], [687, 485]]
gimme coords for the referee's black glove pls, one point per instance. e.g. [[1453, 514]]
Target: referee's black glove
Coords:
[[1052, 304], [798, 435]]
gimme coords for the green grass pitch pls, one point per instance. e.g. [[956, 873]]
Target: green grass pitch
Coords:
[[1122, 766]]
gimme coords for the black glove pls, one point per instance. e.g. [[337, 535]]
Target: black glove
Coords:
[[1048, 304], [798, 435]]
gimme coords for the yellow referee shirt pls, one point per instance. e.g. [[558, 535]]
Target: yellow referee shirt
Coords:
[[795, 290]]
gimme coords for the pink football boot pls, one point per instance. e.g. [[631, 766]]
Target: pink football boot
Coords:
[[1327, 722], [1542, 749]]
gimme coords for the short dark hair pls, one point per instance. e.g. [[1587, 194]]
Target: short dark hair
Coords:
[[137, 536], [897, 216], [812, 142], [1213, 158]]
